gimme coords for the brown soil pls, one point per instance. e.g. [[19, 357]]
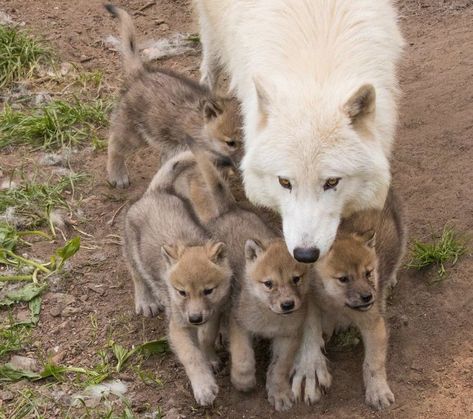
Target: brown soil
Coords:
[[430, 362]]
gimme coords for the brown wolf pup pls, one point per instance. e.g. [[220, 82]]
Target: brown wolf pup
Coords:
[[157, 107], [270, 291], [175, 266], [351, 290]]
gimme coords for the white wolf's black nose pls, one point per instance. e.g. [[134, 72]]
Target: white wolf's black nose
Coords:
[[306, 255]]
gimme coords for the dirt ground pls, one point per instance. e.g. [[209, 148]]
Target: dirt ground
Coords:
[[430, 363]]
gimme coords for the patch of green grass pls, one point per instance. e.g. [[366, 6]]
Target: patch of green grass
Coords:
[[13, 338], [90, 79], [55, 125], [345, 340], [19, 55], [32, 202], [445, 248]]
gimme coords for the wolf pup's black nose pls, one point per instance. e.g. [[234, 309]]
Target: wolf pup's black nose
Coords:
[[306, 255], [366, 297], [195, 318], [287, 305]]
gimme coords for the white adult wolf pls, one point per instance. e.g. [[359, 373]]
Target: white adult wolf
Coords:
[[318, 88]]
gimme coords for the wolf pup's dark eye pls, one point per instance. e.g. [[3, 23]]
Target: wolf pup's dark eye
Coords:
[[369, 274], [296, 279], [331, 182], [268, 284], [208, 291], [285, 183], [181, 292], [231, 143], [343, 279]]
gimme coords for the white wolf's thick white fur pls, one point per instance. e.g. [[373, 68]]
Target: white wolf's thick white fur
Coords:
[[308, 58]]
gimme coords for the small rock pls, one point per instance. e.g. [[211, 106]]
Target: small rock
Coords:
[[24, 363], [6, 395], [23, 315], [164, 27], [57, 358], [42, 98], [70, 311], [404, 320], [173, 413], [62, 298], [51, 159]]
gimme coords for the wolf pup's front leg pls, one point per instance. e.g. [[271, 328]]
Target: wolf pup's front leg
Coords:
[[278, 378], [243, 357], [195, 363], [375, 338], [310, 364], [207, 335]]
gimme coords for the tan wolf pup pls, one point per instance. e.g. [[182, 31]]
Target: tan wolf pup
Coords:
[[176, 266]]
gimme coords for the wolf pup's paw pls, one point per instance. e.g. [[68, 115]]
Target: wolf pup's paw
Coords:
[[281, 398], [148, 307], [379, 395], [243, 380], [119, 180], [317, 379], [205, 391]]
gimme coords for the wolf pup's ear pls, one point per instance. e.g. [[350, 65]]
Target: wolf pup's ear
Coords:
[[211, 109], [253, 248], [217, 252], [361, 104], [368, 238], [170, 253]]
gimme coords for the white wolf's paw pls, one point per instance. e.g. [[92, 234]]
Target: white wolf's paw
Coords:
[[147, 306], [280, 397], [379, 395], [316, 376], [205, 391]]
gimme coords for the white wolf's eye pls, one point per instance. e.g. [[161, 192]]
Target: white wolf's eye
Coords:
[[285, 183], [331, 182], [182, 292]]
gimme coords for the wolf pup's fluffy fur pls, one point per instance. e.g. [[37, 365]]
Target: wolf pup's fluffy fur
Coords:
[[157, 107], [176, 266], [270, 290], [354, 277], [270, 304]]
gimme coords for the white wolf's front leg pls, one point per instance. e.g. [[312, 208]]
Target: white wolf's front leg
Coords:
[[310, 363], [209, 68]]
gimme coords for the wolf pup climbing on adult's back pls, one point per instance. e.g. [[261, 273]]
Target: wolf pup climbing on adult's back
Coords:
[[158, 107]]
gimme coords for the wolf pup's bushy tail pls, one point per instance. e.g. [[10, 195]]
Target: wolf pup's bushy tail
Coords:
[[131, 58], [219, 190], [166, 176]]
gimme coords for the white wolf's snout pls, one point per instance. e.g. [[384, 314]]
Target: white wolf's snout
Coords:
[[309, 233]]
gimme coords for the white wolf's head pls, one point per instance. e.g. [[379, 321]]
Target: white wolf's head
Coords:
[[315, 161]]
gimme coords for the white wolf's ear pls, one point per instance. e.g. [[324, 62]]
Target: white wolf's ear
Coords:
[[361, 105], [171, 254], [263, 102], [253, 248], [216, 252]]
